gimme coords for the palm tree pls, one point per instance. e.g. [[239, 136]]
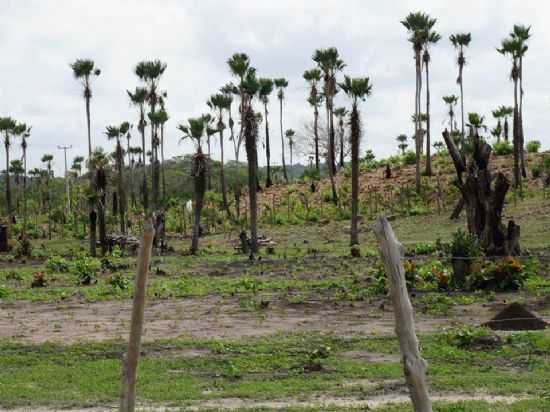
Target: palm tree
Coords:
[[497, 131], [521, 33], [264, 91], [329, 62], [150, 73], [341, 113], [163, 119], [289, 134], [220, 102], [460, 41], [432, 37], [114, 132], [7, 126], [402, 138], [451, 101], [16, 169], [98, 162], [281, 84], [357, 90], [47, 158], [506, 112], [24, 132], [194, 130], [418, 25], [476, 122], [84, 70], [138, 99], [514, 47], [250, 87], [313, 77]]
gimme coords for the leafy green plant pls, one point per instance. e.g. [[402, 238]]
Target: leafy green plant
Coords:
[[3, 291], [409, 158], [57, 264], [533, 146], [118, 281], [505, 274], [502, 148], [536, 171], [86, 269], [465, 337]]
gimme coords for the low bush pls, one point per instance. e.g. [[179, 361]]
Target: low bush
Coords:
[[409, 158], [502, 148], [533, 146], [86, 269], [118, 281], [57, 264], [505, 274]]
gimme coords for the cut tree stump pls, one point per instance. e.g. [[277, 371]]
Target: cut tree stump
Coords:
[[413, 363]]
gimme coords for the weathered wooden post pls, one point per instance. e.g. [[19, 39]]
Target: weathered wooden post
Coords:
[[414, 366], [130, 363]]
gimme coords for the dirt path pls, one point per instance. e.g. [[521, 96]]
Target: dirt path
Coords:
[[236, 403], [209, 317]]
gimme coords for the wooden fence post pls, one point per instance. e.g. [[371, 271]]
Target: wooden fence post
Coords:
[[129, 371], [414, 366]]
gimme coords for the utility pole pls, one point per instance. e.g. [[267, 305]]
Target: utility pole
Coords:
[[67, 189]]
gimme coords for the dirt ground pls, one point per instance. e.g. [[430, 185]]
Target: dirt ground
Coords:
[[219, 317]]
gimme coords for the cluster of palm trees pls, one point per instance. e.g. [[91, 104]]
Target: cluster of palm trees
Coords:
[[420, 27]]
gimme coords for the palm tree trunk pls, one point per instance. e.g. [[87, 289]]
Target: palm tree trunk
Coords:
[[121, 188], [268, 181], [24, 230], [330, 159], [8, 183], [282, 141], [428, 147], [93, 225], [316, 137], [332, 137], [520, 124], [342, 132], [199, 185], [251, 135], [222, 174], [144, 190], [417, 121], [516, 137], [355, 136], [162, 160]]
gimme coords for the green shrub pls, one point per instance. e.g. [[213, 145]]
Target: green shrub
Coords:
[[118, 281], [463, 245], [536, 171], [466, 336], [505, 274], [409, 158], [3, 291], [533, 146], [503, 148], [86, 269], [57, 264]]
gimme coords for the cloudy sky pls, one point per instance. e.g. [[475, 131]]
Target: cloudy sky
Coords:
[[39, 38]]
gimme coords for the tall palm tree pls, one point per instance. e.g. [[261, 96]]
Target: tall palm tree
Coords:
[[194, 130], [521, 33], [23, 131], [289, 134], [250, 87], [7, 126], [417, 25], [150, 73], [281, 84], [451, 102], [220, 102], [341, 113], [432, 37], [163, 119], [48, 158], [514, 47], [116, 132], [461, 41], [98, 162], [330, 63], [84, 70], [138, 98], [402, 138], [264, 91], [313, 77], [357, 90]]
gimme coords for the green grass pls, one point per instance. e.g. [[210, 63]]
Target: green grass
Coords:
[[274, 367]]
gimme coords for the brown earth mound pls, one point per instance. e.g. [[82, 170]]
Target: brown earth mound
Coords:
[[516, 317]]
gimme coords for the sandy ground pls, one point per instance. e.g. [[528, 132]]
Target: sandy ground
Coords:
[[215, 317]]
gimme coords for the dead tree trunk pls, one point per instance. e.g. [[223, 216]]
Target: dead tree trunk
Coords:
[[484, 198], [413, 364], [129, 375]]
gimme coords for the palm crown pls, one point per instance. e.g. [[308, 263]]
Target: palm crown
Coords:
[[358, 88]]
